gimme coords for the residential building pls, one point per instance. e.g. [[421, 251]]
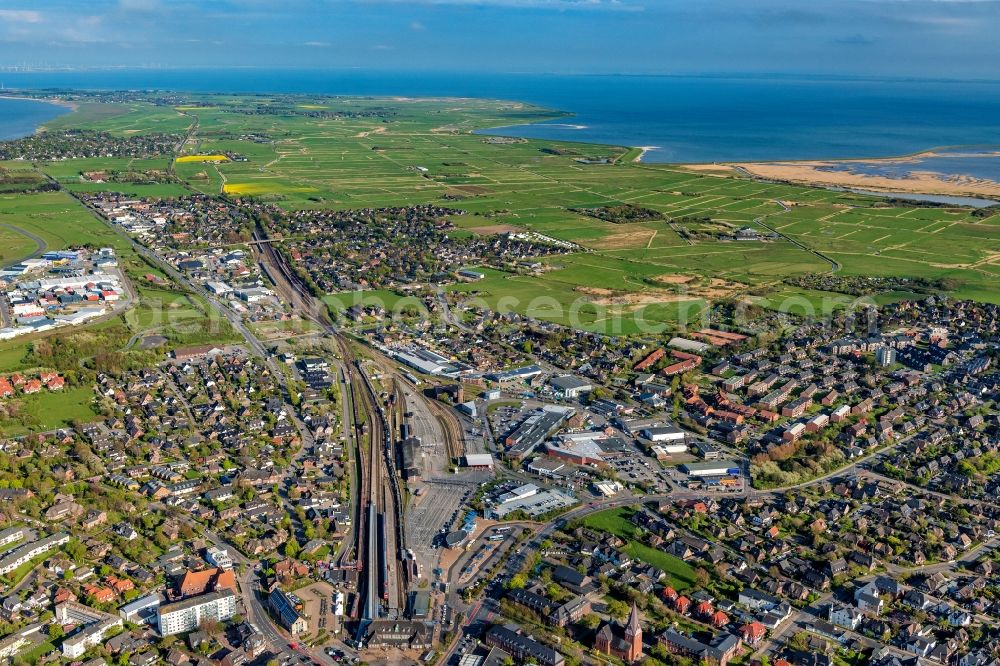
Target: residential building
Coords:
[[286, 607], [187, 614], [717, 652], [218, 557], [31, 550], [92, 625], [522, 647]]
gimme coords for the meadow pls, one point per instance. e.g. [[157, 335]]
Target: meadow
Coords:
[[337, 152]]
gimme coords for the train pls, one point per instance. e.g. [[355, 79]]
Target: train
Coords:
[[411, 378], [383, 558]]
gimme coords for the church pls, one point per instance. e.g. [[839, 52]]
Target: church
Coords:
[[622, 642]]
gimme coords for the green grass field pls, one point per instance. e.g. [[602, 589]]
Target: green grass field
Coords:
[[14, 245], [393, 152], [680, 574], [49, 410], [59, 220], [613, 521], [616, 521]]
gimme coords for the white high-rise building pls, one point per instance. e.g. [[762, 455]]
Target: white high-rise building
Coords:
[[187, 614], [885, 356]]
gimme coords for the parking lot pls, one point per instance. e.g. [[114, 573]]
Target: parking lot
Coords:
[[637, 468], [318, 601], [437, 507]]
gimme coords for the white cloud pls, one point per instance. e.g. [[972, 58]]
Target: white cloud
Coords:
[[319, 45], [20, 15]]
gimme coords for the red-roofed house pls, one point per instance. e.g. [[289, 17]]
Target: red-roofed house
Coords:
[[100, 594], [753, 633], [719, 619], [120, 585], [682, 604], [32, 386]]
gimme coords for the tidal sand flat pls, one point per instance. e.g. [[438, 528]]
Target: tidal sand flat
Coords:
[[966, 173]]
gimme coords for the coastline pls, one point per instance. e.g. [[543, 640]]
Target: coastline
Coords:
[[642, 152], [816, 172], [57, 101], [21, 124]]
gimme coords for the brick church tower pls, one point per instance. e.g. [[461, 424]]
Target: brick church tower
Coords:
[[633, 636]]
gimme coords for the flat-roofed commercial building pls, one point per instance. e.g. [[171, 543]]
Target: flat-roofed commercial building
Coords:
[[664, 433], [533, 430], [714, 468]]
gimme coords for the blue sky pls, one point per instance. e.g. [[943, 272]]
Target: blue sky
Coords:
[[937, 38]]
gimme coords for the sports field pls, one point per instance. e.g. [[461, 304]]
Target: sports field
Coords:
[[336, 152]]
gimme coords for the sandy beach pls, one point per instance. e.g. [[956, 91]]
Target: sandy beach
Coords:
[[644, 150], [916, 182]]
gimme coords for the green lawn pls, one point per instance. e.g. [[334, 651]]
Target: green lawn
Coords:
[[680, 574], [617, 521], [33, 655], [49, 410], [12, 355], [613, 521], [390, 300]]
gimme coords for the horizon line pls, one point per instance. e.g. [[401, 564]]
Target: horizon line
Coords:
[[16, 70]]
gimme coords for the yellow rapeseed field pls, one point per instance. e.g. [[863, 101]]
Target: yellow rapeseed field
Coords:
[[269, 187], [202, 158]]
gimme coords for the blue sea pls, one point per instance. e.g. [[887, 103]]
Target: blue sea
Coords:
[[687, 118], [21, 117]]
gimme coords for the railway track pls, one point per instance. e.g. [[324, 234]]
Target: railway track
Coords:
[[378, 502], [451, 429]]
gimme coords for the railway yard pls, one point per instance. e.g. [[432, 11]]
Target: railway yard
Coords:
[[314, 383]]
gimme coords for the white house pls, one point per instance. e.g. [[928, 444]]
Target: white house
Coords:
[[845, 616], [218, 557]]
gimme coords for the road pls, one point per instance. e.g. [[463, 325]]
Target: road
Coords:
[[40, 245], [248, 588]]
